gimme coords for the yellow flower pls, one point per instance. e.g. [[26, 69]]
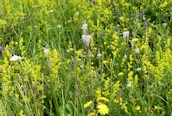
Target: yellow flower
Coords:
[[43, 96], [138, 108], [21, 113], [157, 107], [142, 47], [118, 100], [122, 2], [125, 29], [115, 36], [103, 109], [79, 53], [71, 49], [103, 99], [136, 39], [92, 114], [121, 19], [88, 104], [105, 61], [2, 22], [163, 5], [120, 74], [40, 87]]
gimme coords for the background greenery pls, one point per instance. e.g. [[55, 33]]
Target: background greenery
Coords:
[[108, 77]]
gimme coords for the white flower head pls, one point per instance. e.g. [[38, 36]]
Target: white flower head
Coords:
[[59, 26], [46, 51], [137, 50], [82, 65], [86, 39], [51, 11], [99, 54], [85, 27], [68, 50], [128, 85], [15, 58], [70, 20], [164, 24], [126, 35], [125, 56], [138, 69], [132, 42]]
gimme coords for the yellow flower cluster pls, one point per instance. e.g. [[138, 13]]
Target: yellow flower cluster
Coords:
[[2, 22], [163, 5]]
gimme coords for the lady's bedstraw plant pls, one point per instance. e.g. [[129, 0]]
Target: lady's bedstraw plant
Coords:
[[22, 85]]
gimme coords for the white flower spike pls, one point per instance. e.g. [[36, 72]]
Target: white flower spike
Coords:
[[68, 50], [138, 69], [128, 85], [126, 35], [46, 51], [132, 43], [137, 50], [99, 54], [125, 56], [85, 27], [86, 39], [15, 58]]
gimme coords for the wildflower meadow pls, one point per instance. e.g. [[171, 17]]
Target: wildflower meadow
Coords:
[[85, 57]]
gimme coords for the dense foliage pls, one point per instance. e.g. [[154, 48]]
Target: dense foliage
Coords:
[[85, 57]]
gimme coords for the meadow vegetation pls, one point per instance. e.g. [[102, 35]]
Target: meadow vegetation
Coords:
[[85, 57]]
